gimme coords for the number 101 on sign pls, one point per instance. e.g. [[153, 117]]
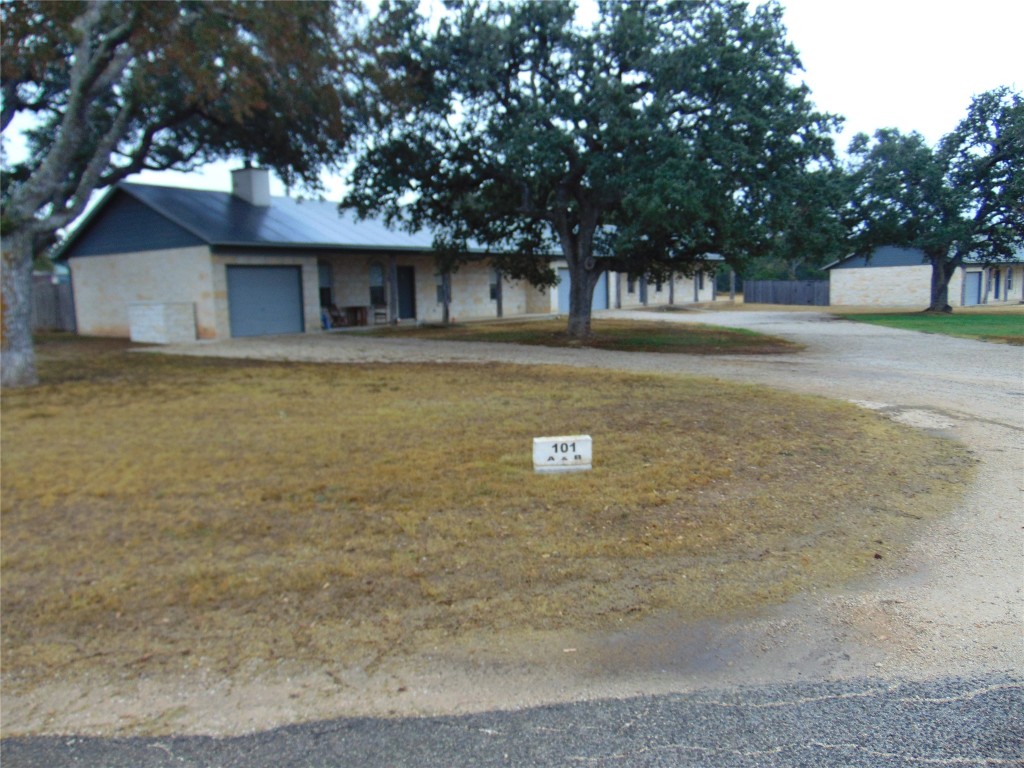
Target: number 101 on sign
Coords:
[[572, 453]]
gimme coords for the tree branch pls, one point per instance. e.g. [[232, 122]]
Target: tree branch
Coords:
[[93, 71], [87, 181]]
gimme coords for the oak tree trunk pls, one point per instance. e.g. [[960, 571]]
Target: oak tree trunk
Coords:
[[17, 356], [942, 272], [581, 297]]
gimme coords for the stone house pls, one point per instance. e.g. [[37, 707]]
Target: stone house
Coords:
[[901, 277], [161, 264]]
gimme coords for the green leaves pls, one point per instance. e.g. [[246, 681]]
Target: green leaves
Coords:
[[963, 198], [112, 88], [673, 129], [985, 161], [118, 87]]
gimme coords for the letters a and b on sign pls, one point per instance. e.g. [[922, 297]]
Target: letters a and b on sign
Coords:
[[572, 453]]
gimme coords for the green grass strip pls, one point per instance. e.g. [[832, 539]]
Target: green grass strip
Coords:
[[1003, 326]]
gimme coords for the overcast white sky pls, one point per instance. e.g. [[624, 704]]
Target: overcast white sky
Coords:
[[909, 64]]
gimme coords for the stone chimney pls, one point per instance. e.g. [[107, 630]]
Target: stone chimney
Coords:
[[252, 185]]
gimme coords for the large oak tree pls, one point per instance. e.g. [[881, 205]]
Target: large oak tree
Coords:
[[110, 88], [663, 132], [962, 199]]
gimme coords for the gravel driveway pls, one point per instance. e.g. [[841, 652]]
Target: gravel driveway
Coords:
[[956, 606]]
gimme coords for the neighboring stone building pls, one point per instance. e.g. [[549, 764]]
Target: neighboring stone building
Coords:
[[901, 277], [162, 264]]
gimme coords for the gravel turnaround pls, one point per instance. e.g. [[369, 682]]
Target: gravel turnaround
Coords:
[[949, 722], [922, 664]]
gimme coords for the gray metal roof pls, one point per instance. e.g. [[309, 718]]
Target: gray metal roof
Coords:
[[893, 256], [221, 219], [884, 256]]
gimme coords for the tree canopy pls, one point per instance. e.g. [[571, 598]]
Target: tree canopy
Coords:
[[963, 198], [111, 88], [664, 132]]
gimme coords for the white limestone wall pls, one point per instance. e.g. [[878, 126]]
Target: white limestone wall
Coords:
[[351, 279], [471, 295], [105, 287], [911, 286], [883, 287], [539, 301]]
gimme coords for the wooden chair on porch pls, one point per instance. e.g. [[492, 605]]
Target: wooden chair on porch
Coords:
[[338, 319]]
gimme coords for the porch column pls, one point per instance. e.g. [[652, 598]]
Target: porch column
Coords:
[[446, 296], [392, 289], [499, 282]]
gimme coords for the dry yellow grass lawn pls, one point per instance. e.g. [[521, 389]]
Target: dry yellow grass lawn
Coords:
[[162, 514]]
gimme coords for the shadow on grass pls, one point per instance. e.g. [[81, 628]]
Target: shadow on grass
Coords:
[[612, 335]]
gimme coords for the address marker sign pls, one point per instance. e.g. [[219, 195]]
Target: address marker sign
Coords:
[[573, 453]]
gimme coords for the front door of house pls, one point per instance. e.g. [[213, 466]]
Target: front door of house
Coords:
[[406, 293]]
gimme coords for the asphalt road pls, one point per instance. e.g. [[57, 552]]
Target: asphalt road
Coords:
[[947, 722]]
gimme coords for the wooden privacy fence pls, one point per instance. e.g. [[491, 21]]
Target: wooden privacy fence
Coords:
[[810, 292], [53, 306]]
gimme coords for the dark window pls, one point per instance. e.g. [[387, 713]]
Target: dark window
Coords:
[[326, 283], [377, 298]]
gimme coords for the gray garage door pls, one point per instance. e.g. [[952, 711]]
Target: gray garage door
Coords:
[[600, 300], [265, 300], [972, 289]]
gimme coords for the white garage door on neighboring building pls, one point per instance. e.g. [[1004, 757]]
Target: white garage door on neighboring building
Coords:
[[264, 300], [972, 288], [600, 300]]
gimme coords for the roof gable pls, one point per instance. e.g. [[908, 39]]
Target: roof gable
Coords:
[[123, 224], [885, 256]]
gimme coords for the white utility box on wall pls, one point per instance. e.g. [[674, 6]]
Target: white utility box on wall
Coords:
[[160, 323]]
